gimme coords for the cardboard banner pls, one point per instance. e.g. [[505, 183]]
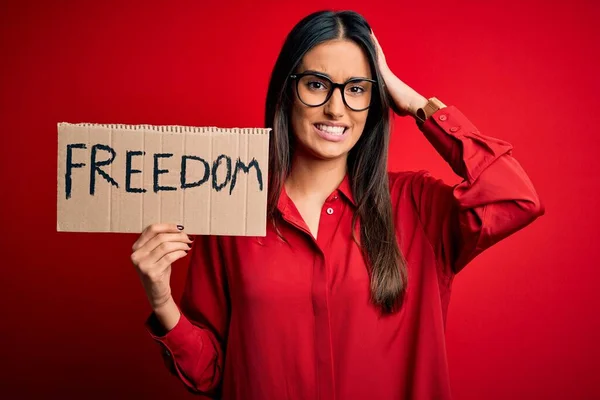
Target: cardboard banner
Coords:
[[122, 178]]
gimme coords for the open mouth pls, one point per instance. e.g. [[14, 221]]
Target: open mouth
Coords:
[[331, 130]]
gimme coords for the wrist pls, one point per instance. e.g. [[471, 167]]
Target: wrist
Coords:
[[161, 302], [432, 105], [168, 314], [418, 103]]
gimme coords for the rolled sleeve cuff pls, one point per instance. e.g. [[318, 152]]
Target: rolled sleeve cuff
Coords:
[[461, 144], [182, 334]]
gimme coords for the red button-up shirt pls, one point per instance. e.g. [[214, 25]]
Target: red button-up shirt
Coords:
[[264, 319]]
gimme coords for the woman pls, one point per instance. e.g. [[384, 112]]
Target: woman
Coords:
[[346, 297]]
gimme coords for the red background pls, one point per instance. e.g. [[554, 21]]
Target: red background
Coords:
[[523, 320]]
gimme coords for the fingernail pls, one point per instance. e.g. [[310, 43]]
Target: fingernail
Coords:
[[190, 237], [180, 227]]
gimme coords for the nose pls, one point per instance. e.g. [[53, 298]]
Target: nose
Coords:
[[335, 105]]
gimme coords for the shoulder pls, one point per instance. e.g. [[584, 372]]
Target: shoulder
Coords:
[[413, 186], [402, 185], [402, 177], [410, 180]]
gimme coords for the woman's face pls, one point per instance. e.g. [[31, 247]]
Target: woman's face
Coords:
[[332, 129]]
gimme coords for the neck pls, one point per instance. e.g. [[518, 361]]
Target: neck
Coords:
[[312, 179]]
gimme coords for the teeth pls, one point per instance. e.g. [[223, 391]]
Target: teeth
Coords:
[[334, 130]]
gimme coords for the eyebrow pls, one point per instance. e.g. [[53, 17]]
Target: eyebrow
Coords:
[[327, 75]]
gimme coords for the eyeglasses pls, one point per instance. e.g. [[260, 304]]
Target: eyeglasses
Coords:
[[315, 89]]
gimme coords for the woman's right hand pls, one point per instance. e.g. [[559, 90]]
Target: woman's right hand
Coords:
[[156, 249]]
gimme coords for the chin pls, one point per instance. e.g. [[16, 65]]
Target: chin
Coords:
[[328, 153]]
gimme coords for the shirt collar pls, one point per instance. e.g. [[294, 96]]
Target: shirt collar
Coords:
[[343, 188]]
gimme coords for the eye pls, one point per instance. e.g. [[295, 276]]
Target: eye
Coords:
[[316, 85], [356, 89]]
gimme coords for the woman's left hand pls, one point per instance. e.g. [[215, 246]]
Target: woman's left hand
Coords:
[[406, 100]]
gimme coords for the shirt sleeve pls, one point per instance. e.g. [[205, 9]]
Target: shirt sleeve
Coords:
[[495, 198], [193, 349]]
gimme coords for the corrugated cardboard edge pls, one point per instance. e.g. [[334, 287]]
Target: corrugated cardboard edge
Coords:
[[171, 128]]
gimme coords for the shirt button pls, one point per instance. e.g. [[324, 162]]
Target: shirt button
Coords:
[[454, 129], [443, 117], [330, 211]]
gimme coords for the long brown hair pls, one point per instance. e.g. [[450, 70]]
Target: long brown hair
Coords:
[[367, 161]]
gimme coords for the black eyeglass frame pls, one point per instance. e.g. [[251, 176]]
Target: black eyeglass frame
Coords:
[[341, 86]]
